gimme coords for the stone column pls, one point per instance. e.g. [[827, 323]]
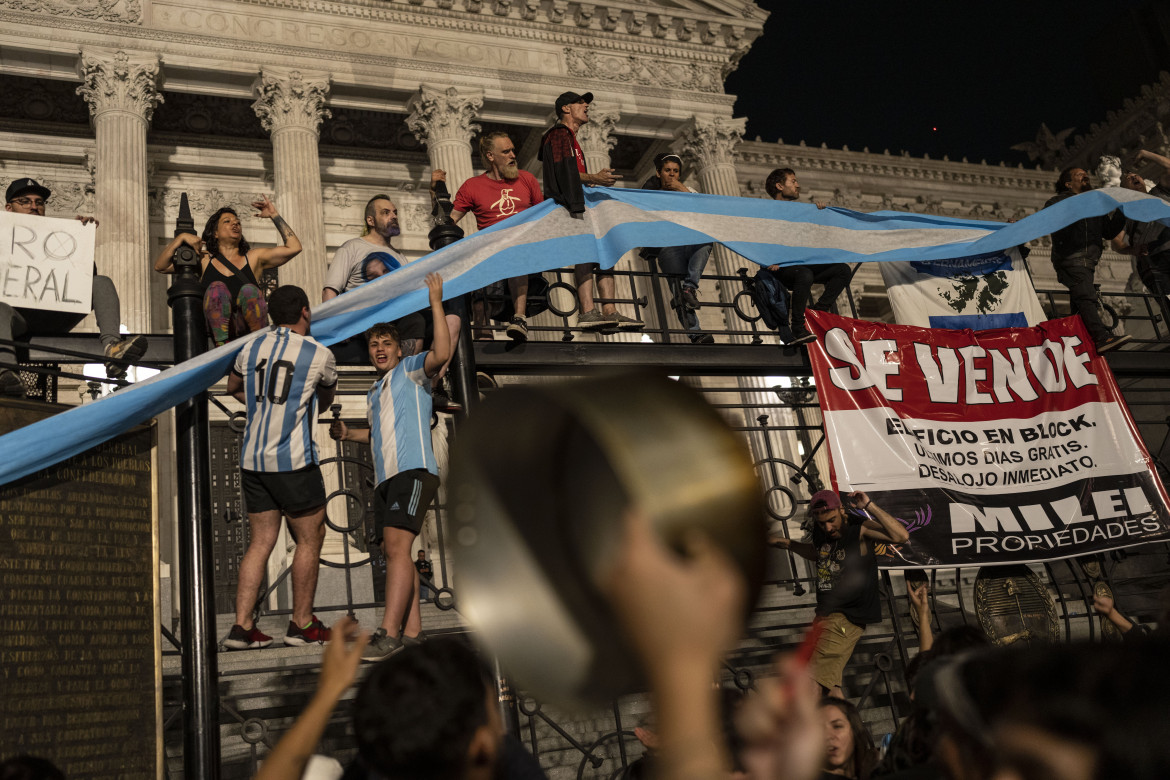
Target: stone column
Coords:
[[291, 107], [122, 92], [597, 139], [708, 146], [443, 120]]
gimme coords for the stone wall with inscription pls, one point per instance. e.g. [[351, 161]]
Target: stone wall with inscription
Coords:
[[79, 649]]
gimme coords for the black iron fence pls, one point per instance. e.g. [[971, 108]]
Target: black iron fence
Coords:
[[771, 402]]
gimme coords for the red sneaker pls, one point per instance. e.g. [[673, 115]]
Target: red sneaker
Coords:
[[252, 639], [314, 633]]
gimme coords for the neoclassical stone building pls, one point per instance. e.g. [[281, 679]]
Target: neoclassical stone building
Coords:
[[120, 105]]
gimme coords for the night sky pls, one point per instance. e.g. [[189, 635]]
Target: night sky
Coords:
[[986, 74]]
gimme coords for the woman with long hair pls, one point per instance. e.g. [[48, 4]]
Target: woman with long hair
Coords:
[[231, 269], [849, 750]]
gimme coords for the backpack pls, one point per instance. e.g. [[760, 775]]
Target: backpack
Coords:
[[771, 299]]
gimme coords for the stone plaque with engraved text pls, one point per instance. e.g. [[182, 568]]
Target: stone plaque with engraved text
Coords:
[[79, 649]]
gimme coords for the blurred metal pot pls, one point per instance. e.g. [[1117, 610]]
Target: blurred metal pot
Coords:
[[542, 478]]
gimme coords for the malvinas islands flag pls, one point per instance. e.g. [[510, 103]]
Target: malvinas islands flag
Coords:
[[980, 292]]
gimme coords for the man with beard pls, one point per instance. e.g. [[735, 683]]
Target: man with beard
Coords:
[[500, 192], [847, 577], [1076, 250], [349, 262], [367, 257]]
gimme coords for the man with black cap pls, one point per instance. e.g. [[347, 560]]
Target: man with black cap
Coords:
[[27, 196], [564, 173], [847, 577]]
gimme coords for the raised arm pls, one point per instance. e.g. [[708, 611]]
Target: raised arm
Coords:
[[1103, 606], [164, 263], [681, 615], [339, 666], [441, 347], [1145, 154], [919, 596], [886, 528], [274, 257]]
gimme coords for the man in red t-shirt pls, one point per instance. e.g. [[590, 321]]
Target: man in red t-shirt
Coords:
[[495, 195], [564, 173]]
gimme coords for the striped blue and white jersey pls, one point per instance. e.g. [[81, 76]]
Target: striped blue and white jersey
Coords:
[[399, 414], [281, 371]]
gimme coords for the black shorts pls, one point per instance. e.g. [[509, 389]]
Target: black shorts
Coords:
[[598, 270], [403, 500], [292, 492]]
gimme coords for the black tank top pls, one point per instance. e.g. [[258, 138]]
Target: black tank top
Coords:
[[234, 281]]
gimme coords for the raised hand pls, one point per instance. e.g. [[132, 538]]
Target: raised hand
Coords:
[[435, 285], [265, 208]]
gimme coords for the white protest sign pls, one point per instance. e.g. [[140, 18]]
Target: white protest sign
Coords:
[[46, 263]]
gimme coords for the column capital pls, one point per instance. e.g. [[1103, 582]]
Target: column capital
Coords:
[[596, 136], [711, 140], [444, 114], [117, 81], [291, 98]]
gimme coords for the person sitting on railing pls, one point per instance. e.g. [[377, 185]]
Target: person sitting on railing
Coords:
[[847, 577], [498, 193], [27, 196], [1076, 250], [368, 257], [406, 473], [1149, 242], [685, 264], [282, 379], [564, 173], [231, 270], [782, 184]]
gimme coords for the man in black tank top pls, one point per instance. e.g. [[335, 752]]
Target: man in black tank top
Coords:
[[846, 577]]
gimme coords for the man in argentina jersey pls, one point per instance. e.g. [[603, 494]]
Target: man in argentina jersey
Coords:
[[281, 378], [399, 415]]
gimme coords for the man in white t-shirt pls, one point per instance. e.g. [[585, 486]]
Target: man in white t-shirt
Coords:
[[364, 259]]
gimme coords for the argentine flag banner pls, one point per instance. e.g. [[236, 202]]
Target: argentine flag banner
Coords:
[[982, 292], [545, 237]]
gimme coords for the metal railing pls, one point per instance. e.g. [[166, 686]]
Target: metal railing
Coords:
[[784, 425]]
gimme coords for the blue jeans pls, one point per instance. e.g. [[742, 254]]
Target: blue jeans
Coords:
[[688, 262]]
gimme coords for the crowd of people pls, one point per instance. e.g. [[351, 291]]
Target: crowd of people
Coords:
[[428, 708]]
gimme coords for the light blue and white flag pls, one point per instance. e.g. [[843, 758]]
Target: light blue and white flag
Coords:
[[981, 292], [546, 237]]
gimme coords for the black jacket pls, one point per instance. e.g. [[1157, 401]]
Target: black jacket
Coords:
[[562, 180], [1085, 236]]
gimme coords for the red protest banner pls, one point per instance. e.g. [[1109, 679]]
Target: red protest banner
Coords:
[[997, 446]]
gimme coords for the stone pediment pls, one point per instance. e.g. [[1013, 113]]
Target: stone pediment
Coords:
[[726, 24]]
